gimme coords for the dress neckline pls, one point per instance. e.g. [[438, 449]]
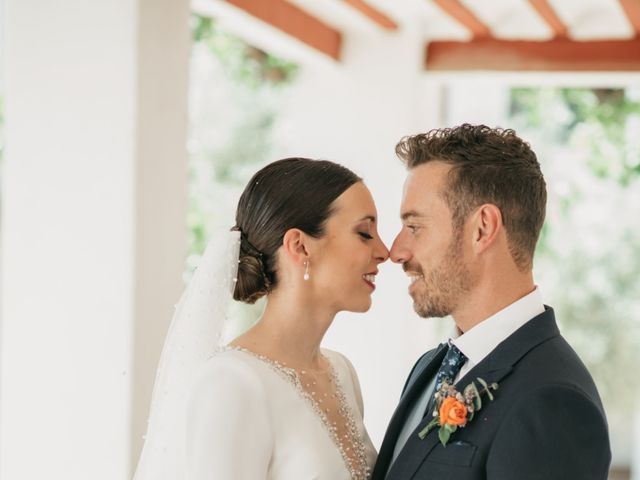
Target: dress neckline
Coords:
[[290, 375]]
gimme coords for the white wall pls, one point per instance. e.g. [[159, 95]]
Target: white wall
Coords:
[[92, 226]]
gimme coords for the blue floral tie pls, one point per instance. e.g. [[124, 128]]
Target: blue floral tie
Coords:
[[450, 367]]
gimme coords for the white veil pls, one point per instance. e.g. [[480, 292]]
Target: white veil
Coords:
[[194, 335]]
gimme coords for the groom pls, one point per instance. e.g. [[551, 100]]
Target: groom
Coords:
[[473, 206]]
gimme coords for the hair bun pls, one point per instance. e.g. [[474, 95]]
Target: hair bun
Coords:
[[252, 280]]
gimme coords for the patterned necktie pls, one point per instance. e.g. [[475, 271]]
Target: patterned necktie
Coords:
[[451, 365]]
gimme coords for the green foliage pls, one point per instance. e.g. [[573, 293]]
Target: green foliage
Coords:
[[600, 120], [445, 433], [588, 257], [244, 63], [430, 426]]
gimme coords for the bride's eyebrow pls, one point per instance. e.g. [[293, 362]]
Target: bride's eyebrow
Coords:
[[371, 218]]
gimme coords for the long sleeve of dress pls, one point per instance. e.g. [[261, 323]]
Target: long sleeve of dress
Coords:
[[356, 384], [228, 431]]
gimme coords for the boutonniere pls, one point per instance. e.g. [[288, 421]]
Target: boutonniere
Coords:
[[454, 409]]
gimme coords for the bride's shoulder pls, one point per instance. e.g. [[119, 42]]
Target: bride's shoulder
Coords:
[[226, 391], [340, 361], [333, 355], [227, 371]]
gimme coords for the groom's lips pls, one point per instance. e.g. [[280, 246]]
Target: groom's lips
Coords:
[[414, 278]]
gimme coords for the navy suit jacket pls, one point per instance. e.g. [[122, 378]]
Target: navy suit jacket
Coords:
[[545, 423]]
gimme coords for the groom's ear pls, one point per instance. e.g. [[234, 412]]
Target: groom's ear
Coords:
[[295, 245], [486, 224]]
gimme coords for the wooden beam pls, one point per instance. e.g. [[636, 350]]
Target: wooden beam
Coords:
[[374, 14], [458, 11], [555, 55], [548, 14], [632, 10], [295, 22]]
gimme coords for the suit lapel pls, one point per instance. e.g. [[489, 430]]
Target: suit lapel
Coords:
[[417, 382], [409, 461], [494, 368]]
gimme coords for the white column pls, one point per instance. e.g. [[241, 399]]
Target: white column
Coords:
[[161, 194], [92, 227]]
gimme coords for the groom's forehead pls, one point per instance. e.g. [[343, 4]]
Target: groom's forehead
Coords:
[[421, 196], [419, 189]]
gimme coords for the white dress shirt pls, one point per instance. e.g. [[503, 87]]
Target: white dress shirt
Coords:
[[476, 344]]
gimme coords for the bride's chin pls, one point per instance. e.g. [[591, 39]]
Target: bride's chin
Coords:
[[364, 307]]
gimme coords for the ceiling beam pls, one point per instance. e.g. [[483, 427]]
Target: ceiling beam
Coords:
[[458, 11], [632, 10], [548, 14], [555, 55], [295, 22], [373, 14]]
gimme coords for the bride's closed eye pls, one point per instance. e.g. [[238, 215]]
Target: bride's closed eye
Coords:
[[365, 235]]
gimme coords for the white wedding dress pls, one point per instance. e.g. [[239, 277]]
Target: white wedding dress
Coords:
[[249, 418]]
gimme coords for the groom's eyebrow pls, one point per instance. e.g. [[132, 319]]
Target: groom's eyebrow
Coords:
[[410, 214]]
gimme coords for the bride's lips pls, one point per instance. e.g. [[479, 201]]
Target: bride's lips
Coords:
[[370, 278]]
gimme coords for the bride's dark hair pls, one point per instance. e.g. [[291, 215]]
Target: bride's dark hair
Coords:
[[288, 193]]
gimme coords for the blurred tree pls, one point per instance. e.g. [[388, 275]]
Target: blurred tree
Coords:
[[236, 94], [588, 258], [601, 120]]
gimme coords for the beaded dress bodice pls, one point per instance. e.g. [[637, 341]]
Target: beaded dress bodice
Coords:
[[307, 434], [330, 404]]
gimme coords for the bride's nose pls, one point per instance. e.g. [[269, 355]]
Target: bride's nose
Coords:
[[381, 252]]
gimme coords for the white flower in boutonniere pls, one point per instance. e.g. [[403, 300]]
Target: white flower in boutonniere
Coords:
[[454, 409]]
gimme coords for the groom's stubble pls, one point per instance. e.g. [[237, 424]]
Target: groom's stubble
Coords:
[[445, 284]]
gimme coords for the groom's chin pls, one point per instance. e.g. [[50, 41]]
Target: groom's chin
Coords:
[[428, 310], [420, 311]]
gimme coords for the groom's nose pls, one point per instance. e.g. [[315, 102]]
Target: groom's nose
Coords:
[[399, 252]]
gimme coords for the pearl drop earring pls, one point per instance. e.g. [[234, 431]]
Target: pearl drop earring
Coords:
[[306, 270]]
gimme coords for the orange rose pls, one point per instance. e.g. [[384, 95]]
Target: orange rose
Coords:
[[453, 412]]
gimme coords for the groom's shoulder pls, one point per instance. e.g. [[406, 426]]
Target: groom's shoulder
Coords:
[[538, 354], [555, 362], [555, 357]]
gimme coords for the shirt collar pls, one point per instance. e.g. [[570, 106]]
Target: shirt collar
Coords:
[[483, 338]]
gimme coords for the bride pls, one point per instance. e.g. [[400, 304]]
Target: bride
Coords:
[[272, 404]]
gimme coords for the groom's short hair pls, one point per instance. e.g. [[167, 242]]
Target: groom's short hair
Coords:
[[490, 165]]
